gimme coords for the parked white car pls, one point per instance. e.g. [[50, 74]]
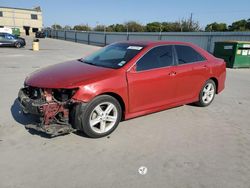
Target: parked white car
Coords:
[[6, 30]]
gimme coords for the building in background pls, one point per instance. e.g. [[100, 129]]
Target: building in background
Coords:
[[28, 21]]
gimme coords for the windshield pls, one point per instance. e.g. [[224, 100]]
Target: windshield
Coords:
[[113, 56]]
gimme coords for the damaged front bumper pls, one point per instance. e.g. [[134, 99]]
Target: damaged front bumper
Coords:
[[53, 114]]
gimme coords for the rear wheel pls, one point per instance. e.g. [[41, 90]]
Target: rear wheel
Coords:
[[207, 93], [101, 116]]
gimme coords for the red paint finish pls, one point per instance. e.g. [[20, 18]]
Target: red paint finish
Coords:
[[151, 88], [141, 92], [66, 75]]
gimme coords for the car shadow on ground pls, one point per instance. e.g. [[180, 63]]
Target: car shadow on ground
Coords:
[[25, 119], [193, 105]]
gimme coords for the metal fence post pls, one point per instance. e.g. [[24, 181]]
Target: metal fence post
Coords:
[[209, 42], [75, 36], [127, 35], [159, 38], [88, 38], [105, 39], [65, 37]]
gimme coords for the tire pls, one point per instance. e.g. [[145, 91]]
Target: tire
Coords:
[[18, 45], [207, 94], [100, 117]]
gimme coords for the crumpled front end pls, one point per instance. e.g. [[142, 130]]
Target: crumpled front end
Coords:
[[51, 106]]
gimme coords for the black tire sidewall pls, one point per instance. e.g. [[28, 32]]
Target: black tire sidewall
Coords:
[[88, 110], [18, 45], [201, 102]]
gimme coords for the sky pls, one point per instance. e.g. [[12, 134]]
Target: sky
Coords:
[[97, 12]]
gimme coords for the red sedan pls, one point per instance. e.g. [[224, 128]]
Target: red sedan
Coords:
[[121, 81]]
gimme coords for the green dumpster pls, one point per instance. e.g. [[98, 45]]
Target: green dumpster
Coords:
[[235, 53], [16, 31]]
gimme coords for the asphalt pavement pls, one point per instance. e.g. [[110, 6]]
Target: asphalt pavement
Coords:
[[187, 146]]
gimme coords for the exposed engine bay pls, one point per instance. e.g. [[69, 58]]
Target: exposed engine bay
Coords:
[[51, 106]]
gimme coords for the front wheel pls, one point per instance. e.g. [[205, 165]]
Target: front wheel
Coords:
[[101, 116], [18, 45], [207, 93]]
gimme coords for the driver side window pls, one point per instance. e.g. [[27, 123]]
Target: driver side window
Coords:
[[161, 56], [9, 37]]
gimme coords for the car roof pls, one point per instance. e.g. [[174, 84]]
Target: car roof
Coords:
[[152, 44], [5, 33], [156, 43]]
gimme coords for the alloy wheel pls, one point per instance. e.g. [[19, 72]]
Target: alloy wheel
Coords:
[[18, 45], [103, 117], [208, 93]]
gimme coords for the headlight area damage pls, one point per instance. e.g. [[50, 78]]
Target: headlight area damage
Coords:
[[51, 106]]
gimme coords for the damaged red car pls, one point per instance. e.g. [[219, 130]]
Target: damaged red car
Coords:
[[121, 81]]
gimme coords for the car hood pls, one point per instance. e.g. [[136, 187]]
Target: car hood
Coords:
[[20, 38], [66, 75]]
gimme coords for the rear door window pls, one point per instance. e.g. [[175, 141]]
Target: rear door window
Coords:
[[161, 56], [187, 54]]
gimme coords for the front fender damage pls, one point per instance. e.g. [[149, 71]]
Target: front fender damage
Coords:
[[51, 107]]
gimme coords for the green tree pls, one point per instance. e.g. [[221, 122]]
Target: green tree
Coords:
[[116, 28], [188, 25], [248, 24], [240, 25], [67, 27], [100, 28], [133, 26], [216, 27], [171, 26], [56, 26], [154, 27], [82, 27]]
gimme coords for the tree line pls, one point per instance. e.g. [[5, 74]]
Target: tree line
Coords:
[[240, 25], [184, 25]]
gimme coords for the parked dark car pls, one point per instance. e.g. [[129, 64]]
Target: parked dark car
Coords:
[[7, 39], [40, 34]]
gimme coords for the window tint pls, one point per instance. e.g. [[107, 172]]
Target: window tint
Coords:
[[113, 56], [33, 16], [186, 54], [161, 56], [2, 36], [113, 53], [8, 36]]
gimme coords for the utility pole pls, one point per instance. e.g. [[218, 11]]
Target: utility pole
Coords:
[[14, 21], [127, 32], [191, 21], [160, 31]]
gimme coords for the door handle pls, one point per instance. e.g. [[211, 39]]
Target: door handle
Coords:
[[172, 73], [204, 67]]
